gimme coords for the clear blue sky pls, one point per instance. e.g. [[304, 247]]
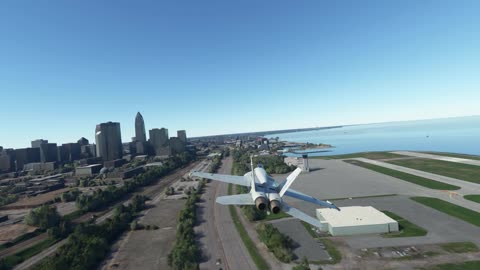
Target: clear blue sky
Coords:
[[214, 67]]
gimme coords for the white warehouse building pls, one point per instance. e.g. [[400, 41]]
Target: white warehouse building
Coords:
[[355, 220]]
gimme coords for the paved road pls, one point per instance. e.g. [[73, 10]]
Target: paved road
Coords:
[[455, 197], [438, 157], [236, 254], [207, 232]]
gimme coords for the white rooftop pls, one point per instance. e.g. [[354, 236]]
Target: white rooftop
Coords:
[[353, 216]]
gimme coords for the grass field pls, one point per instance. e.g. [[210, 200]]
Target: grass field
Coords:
[[405, 176], [276, 216], [471, 265], [407, 229], [454, 155], [466, 172], [247, 241], [450, 209], [460, 247], [332, 251], [369, 155], [309, 229], [473, 198]]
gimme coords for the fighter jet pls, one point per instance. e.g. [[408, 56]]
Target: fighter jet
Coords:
[[266, 192]]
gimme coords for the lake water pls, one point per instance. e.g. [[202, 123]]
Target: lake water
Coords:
[[459, 135]]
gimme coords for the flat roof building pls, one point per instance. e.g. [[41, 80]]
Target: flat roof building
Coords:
[[355, 220], [88, 169], [109, 141], [182, 135]]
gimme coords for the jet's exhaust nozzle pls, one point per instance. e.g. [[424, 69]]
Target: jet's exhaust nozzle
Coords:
[[275, 206], [261, 203]]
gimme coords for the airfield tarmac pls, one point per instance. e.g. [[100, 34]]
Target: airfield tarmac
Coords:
[[333, 179]]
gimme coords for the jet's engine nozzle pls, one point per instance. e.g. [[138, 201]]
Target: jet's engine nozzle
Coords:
[[275, 206], [261, 203]]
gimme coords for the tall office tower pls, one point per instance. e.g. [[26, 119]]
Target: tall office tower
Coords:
[[48, 151], [109, 141], [7, 160], [140, 128], [26, 155], [83, 141], [182, 135], [159, 140], [69, 152]]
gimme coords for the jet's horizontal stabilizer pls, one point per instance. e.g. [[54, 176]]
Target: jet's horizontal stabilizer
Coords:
[[231, 179], [294, 212], [240, 199], [298, 195]]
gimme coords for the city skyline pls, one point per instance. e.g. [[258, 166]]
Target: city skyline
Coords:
[[223, 68]]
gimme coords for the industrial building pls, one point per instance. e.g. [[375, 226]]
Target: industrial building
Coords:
[[88, 170], [355, 220]]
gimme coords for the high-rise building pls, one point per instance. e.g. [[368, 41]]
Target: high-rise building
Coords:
[[159, 140], [83, 141], [109, 141], [26, 155], [48, 151], [7, 160], [177, 145], [182, 135], [69, 152], [140, 135]]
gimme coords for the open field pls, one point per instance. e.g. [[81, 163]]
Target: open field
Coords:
[[369, 155], [407, 229], [10, 232], [405, 176], [466, 172], [471, 265], [148, 249], [450, 209], [31, 202], [473, 198], [460, 247]]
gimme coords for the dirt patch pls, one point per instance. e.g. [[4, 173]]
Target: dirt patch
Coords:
[[148, 249], [31, 202], [9, 232], [66, 208]]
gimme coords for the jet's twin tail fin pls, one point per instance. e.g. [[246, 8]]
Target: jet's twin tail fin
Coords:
[[289, 181]]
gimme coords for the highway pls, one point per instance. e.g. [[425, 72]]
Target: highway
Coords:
[[220, 239]]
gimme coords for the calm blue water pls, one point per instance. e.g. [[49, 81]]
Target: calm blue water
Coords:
[[459, 135]]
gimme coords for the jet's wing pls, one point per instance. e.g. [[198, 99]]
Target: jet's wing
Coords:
[[232, 179], [240, 199], [300, 215], [298, 195]]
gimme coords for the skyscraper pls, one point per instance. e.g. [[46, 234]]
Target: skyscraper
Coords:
[[48, 151], [140, 134], [182, 135], [109, 141], [159, 141]]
